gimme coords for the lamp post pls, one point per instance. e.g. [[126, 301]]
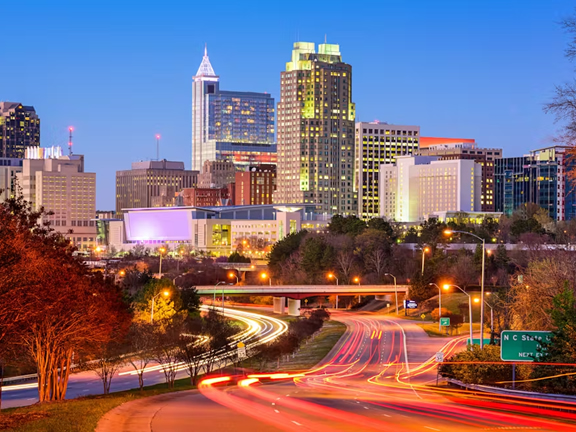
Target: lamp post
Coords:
[[165, 294], [477, 300], [357, 280], [161, 251], [424, 251], [234, 275], [214, 300], [333, 276], [439, 305], [395, 290], [263, 276], [447, 286], [448, 232]]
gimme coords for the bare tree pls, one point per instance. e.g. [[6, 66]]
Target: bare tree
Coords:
[[166, 352], [345, 262], [108, 363], [192, 350], [141, 338], [376, 261]]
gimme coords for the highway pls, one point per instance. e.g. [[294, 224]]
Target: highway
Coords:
[[258, 329], [379, 376]]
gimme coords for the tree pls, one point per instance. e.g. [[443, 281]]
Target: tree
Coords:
[[345, 263], [478, 366], [219, 331], [236, 257], [436, 315], [141, 338], [282, 249], [381, 224], [165, 352], [351, 225], [192, 348], [317, 258], [107, 363]]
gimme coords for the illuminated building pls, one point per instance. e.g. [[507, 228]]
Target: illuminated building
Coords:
[[206, 197], [229, 125], [216, 174], [9, 168], [60, 185], [316, 131], [419, 186], [376, 144], [458, 148], [139, 186], [256, 185], [540, 178], [19, 129]]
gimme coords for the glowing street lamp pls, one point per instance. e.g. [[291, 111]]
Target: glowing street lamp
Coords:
[[122, 273], [265, 276], [234, 275], [447, 287], [165, 293], [357, 280], [424, 252], [161, 250], [450, 232], [333, 276]]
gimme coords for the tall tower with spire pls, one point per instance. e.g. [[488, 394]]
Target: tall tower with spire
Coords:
[[205, 82]]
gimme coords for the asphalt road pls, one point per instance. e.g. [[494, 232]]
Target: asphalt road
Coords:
[[258, 328], [374, 379]]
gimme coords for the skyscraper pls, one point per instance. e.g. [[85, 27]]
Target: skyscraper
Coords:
[[316, 115], [19, 128], [229, 125]]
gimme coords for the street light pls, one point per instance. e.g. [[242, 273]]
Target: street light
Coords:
[[477, 300], [165, 294], [439, 305], [122, 273], [395, 290], [214, 300], [263, 276], [234, 275], [449, 232], [161, 251], [424, 251], [333, 276], [446, 287], [357, 280]]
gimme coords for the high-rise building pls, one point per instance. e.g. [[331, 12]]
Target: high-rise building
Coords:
[[9, 168], [256, 185], [216, 174], [60, 185], [539, 178], [137, 187], [417, 187], [229, 125], [458, 148], [19, 129], [376, 144], [316, 130]]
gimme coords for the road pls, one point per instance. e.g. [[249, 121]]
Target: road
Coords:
[[259, 328], [375, 378]]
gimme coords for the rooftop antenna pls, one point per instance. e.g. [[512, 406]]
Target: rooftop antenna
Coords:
[[325, 38], [157, 147], [70, 129]]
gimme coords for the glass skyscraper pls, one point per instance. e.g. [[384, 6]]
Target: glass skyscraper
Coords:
[[229, 125]]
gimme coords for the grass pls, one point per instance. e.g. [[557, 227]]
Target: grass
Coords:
[[432, 329]]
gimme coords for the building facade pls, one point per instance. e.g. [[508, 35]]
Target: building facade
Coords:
[[486, 157], [137, 187], [425, 185], [9, 168], [316, 119], [539, 178], [19, 129], [61, 186], [228, 125], [376, 144], [216, 174], [256, 185], [206, 197]]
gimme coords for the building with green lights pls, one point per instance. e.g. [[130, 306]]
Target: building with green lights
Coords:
[[316, 118]]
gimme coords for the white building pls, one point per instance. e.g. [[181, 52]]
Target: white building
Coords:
[[9, 169], [60, 185], [419, 186]]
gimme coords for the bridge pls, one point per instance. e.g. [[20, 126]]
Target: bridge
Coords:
[[295, 293]]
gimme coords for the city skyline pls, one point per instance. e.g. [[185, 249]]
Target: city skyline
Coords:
[[119, 82]]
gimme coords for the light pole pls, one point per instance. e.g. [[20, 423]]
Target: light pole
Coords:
[[477, 300], [263, 276], [165, 294], [161, 251], [424, 251], [395, 290], [439, 305], [333, 276], [448, 232], [234, 275], [214, 300], [447, 286]]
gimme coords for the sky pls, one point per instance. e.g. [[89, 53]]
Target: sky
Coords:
[[120, 72]]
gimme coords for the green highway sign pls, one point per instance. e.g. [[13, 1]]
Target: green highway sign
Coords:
[[444, 321], [476, 341], [520, 345]]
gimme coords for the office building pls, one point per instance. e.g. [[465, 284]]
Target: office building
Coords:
[[376, 144], [60, 185], [216, 174], [449, 148], [137, 187], [256, 185], [539, 178], [419, 186], [316, 131], [19, 129], [228, 125], [206, 197], [9, 168]]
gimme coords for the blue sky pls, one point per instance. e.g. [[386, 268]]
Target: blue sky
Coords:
[[120, 71]]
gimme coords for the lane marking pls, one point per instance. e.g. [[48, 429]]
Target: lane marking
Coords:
[[296, 423], [428, 427], [277, 412]]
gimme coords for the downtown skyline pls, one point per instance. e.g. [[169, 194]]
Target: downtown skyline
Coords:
[[121, 86]]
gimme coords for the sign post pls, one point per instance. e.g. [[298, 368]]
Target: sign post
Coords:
[[439, 359], [409, 304], [241, 350]]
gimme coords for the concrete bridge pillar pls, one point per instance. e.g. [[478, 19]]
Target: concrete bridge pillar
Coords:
[[293, 307], [387, 298], [279, 304]]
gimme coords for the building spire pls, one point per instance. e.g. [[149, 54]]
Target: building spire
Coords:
[[205, 68]]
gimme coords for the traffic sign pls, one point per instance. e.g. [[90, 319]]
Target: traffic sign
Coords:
[[521, 345], [241, 350], [423, 316], [476, 341], [439, 356], [445, 321], [410, 304]]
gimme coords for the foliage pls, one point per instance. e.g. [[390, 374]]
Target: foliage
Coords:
[[236, 257], [445, 313], [473, 371], [351, 225], [282, 250], [317, 258]]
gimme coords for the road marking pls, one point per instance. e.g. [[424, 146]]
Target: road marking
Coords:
[[386, 415], [277, 412], [428, 427], [296, 423], [365, 407], [273, 403]]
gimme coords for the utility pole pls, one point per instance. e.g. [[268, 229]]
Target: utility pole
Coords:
[[70, 129], [157, 147]]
